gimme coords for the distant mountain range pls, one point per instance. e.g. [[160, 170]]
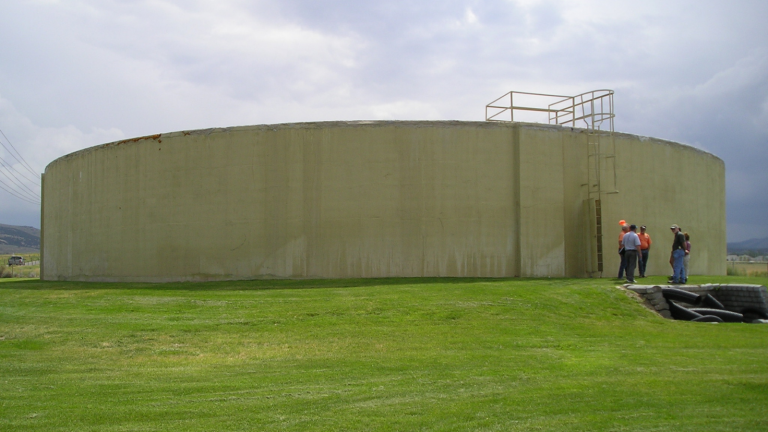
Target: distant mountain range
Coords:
[[752, 245], [19, 239]]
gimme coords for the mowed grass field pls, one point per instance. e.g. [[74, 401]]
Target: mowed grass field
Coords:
[[390, 354]]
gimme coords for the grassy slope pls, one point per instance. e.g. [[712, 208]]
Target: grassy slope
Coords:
[[370, 355]]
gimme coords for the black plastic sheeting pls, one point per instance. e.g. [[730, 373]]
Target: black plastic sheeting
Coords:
[[726, 316], [681, 296], [680, 313], [708, 318], [711, 302], [714, 312]]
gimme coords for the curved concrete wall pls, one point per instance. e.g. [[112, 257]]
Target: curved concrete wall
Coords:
[[369, 199]]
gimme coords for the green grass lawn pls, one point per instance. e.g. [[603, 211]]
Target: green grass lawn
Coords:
[[389, 354]]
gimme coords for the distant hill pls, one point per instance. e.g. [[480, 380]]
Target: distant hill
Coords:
[[759, 246], [19, 239]]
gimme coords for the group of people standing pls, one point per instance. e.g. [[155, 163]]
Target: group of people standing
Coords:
[[635, 247]]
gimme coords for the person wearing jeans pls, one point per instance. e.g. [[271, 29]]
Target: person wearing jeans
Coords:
[[645, 249], [687, 258], [678, 253], [623, 264], [631, 245]]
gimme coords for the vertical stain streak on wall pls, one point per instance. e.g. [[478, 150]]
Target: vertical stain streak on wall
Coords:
[[364, 199], [516, 185]]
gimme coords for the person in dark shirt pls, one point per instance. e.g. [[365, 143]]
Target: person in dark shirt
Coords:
[[678, 253]]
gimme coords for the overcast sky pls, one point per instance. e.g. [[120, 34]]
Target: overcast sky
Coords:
[[77, 73]]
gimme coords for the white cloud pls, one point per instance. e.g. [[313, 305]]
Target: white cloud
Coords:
[[470, 17]]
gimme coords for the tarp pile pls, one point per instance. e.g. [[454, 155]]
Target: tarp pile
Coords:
[[688, 306]]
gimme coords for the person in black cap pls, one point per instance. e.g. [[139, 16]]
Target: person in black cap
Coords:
[[631, 244]]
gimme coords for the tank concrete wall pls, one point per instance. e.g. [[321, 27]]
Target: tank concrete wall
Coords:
[[367, 199]]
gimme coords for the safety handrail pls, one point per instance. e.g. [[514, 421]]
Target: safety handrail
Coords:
[[592, 108]]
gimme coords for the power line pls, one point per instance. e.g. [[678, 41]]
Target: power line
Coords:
[[20, 159], [17, 187], [9, 167], [20, 184], [3, 187]]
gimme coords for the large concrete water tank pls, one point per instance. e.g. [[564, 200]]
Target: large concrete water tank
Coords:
[[374, 199]]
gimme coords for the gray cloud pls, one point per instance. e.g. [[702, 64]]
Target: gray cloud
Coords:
[[83, 72]]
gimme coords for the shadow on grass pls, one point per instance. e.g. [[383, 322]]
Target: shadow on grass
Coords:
[[277, 284], [239, 285]]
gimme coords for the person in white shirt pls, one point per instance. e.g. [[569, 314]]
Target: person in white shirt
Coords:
[[631, 243]]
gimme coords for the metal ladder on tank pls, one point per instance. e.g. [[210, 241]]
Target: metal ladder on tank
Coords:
[[601, 163], [592, 111], [601, 167]]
